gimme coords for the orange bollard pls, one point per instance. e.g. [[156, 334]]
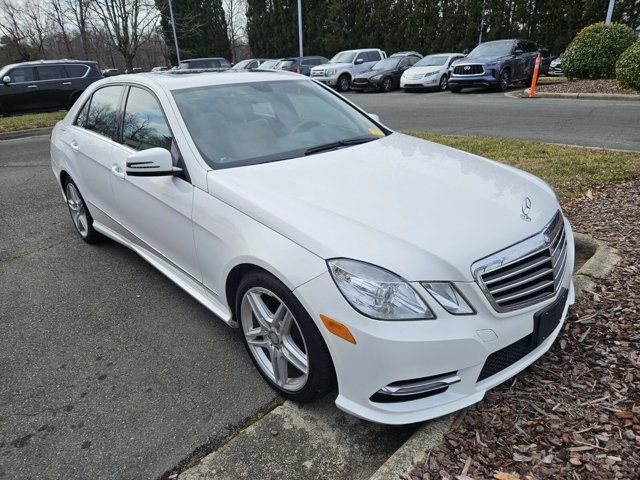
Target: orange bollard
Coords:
[[534, 80]]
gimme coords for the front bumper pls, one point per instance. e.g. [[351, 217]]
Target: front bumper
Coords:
[[425, 82], [331, 81], [485, 80], [387, 352], [365, 86]]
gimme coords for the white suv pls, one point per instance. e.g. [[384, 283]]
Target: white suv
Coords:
[[346, 65]]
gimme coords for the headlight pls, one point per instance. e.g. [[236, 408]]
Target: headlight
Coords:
[[376, 292], [430, 74], [331, 71], [376, 78], [492, 65], [448, 296]]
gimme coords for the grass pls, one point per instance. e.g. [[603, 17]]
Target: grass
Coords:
[[571, 171], [31, 120]]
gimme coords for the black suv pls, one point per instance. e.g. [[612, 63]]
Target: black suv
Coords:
[[44, 85], [385, 75], [495, 65]]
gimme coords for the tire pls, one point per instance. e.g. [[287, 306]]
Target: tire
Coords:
[[444, 83], [387, 85], [271, 351], [504, 81], [455, 89], [343, 83], [80, 216]]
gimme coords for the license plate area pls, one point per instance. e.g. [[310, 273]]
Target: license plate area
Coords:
[[546, 321]]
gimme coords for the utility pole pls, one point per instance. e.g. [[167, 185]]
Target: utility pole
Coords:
[[609, 12], [300, 27], [173, 27]]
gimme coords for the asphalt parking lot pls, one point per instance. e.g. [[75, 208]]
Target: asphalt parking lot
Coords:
[[596, 123]]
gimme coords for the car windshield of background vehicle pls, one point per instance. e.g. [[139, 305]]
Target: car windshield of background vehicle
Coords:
[[386, 64], [432, 61], [491, 49], [268, 65], [343, 57], [241, 65], [251, 123], [286, 63]]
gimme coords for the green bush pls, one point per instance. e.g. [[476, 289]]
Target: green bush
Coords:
[[628, 67], [594, 51]]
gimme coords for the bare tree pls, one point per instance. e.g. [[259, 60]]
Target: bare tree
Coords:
[[236, 26], [129, 24], [58, 13], [79, 12], [12, 27]]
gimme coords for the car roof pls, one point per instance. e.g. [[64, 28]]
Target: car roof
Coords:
[[177, 80], [202, 58], [34, 63], [440, 54]]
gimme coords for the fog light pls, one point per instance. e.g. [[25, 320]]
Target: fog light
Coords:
[[415, 389]]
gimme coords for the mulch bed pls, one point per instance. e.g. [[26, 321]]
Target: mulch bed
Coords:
[[575, 413], [588, 86]]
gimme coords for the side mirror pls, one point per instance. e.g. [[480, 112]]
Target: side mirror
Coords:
[[6, 79], [154, 162], [374, 117], [359, 61], [518, 51]]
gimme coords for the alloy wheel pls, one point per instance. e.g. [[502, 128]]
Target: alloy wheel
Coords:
[[444, 83], [386, 85], [77, 209], [274, 338], [343, 84], [504, 80]]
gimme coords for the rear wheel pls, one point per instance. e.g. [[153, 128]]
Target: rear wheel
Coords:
[[282, 339], [80, 215], [343, 83]]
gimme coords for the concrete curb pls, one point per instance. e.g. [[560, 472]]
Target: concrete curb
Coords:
[[31, 132], [599, 260], [585, 96]]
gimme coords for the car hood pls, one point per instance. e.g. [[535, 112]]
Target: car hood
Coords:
[[419, 209], [479, 60], [425, 69], [331, 65], [373, 73]]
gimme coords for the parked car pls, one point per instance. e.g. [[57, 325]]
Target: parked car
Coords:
[[430, 72], [216, 63], [494, 65], [302, 65], [109, 72], [385, 75], [296, 222], [407, 53], [545, 61], [44, 85], [555, 67], [159, 69], [248, 64], [270, 64], [341, 69]]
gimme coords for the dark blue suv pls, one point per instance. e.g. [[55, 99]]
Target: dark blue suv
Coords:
[[494, 65]]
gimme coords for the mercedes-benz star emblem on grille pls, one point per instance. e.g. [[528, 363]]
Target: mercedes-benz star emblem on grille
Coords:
[[526, 209], [467, 68]]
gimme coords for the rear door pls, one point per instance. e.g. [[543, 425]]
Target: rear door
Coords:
[[20, 95], [53, 86]]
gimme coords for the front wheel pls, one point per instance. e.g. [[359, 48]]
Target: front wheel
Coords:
[[80, 215], [444, 83], [504, 81], [343, 83], [387, 85], [282, 339]]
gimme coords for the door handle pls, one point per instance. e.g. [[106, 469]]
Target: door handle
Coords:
[[32, 86], [66, 83], [74, 146], [117, 171]]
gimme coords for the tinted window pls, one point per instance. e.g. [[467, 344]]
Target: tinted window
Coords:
[[51, 72], [362, 56], [103, 111], [76, 71], [144, 123], [26, 74], [373, 56], [412, 60]]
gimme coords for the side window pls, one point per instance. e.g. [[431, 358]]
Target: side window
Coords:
[[413, 60], [81, 119], [76, 71], [361, 56], [520, 46], [144, 123], [51, 72], [373, 56], [308, 61], [103, 110], [403, 63], [19, 75]]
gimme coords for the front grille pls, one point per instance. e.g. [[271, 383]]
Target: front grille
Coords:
[[317, 73], [507, 356], [468, 70], [526, 273]]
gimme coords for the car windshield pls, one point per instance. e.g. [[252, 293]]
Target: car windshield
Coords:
[[491, 49], [343, 57], [386, 64], [242, 65], [432, 61], [258, 122], [286, 63], [268, 65]]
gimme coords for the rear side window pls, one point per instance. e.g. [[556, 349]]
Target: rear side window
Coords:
[[103, 111], [81, 119], [76, 71], [51, 72], [145, 125], [373, 56], [26, 74]]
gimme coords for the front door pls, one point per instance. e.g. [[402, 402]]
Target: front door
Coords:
[[156, 210], [21, 93]]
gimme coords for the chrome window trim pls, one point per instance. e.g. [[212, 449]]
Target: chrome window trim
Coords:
[[530, 246]]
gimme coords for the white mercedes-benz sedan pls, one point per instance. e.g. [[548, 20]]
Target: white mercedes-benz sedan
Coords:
[[411, 275]]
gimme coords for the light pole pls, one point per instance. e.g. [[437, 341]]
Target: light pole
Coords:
[[300, 27], [609, 12], [173, 27]]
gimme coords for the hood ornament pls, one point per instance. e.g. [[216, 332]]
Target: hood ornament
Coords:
[[526, 209]]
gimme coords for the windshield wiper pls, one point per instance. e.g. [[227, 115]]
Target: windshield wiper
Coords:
[[342, 143]]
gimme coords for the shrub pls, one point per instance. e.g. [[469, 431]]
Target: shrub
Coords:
[[594, 51], [628, 67]]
